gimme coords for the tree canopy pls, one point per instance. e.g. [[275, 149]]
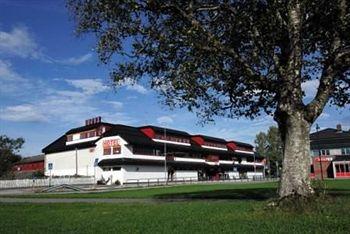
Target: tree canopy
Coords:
[[270, 146], [9, 152], [227, 58]]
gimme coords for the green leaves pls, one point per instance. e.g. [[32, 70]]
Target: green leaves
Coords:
[[9, 149], [227, 58]]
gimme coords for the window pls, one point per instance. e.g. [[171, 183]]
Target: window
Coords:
[[106, 169], [107, 151], [324, 152], [345, 151], [91, 134], [69, 137], [116, 150], [116, 168], [83, 135]]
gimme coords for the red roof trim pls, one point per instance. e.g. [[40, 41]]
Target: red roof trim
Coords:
[[231, 146], [148, 132], [198, 140]]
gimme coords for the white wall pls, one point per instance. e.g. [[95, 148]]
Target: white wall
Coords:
[[250, 175], [64, 163], [186, 174], [233, 174], [136, 172]]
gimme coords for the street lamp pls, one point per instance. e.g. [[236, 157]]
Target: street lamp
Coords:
[[319, 151]]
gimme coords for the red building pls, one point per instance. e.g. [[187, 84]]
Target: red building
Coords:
[[30, 165], [330, 153]]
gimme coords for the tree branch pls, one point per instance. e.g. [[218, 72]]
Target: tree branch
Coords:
[[338, 57], [253, 75]]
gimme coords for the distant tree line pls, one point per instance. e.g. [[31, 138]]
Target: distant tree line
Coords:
[[9, 153], [270, 146]]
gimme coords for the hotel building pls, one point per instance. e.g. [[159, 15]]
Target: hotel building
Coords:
[[125, 154]]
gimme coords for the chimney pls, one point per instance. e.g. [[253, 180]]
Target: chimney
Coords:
[[339, 128]]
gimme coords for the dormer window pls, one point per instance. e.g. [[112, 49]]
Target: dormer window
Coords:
[[88, 134], [69, 137]]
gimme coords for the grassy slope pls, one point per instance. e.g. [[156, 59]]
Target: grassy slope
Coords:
[[222, 216]]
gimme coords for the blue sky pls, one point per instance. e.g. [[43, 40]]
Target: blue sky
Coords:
[[51, 81]]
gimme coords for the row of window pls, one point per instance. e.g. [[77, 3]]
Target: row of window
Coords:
[[184, 140], [83, 135], [323, 152], [345, 151], [342, 167], [172, 138], [243, 148], [88, 134], [112, 150], [111, 168], [215, 145]]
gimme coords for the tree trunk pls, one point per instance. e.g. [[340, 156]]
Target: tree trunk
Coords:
[[296, 161]]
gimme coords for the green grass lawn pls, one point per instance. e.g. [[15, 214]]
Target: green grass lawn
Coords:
[[243, 212], [221, 191]]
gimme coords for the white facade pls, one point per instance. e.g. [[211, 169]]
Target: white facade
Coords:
[[83, 162], [64, 164]]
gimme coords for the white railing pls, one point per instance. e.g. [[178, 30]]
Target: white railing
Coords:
[[27, 183], [186, 180]]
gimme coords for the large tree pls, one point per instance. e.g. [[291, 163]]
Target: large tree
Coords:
[[9, 153], [231, 58]]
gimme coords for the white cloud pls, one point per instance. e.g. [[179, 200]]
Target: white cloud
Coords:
[[11, 83], [130, 84], [45, 103], [116, 105], [7, 74], [19, 42], [310, 88], [163, 120], [22, 113], [89, 86], [75, 60]]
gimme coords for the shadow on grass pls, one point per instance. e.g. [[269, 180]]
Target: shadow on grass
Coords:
[[259, 194], [338, 192], [227, 194]]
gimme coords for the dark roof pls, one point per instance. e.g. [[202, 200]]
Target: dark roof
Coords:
[[238, 143], [168, 130], [59, 145], [329, 138], [211, 139], [88, 127], [31, 159], [134, 136], [131, 134]]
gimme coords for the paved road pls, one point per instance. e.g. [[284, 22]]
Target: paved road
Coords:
[[87, 200]]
